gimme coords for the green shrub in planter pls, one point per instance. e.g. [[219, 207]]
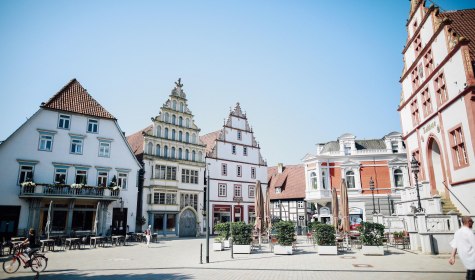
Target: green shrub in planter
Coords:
[[241, 233], [312, 225], [223, 230], [285, 233], [324, 235], [372, 234]]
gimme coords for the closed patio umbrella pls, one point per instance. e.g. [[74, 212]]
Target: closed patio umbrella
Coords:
[[48, 221], [345, 210], [96, 218], [259, 210], [268, 216], [335, 208]]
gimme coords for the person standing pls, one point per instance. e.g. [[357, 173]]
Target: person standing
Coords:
[[148, 234], [464, 244]]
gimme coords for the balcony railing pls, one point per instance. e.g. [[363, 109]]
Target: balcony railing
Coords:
[[319, 194], [67, 191]]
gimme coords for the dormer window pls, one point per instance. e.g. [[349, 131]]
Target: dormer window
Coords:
[[347, 150], [394, 147], [239, 135], [278, 190]]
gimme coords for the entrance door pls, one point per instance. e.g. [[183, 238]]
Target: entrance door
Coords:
[[436, 169], [9, 217], [187, 224], [119, 221]]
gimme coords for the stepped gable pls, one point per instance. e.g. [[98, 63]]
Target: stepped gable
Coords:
[[237, 112], [291, 181], [136, 142], [75, 99], [463, 24]]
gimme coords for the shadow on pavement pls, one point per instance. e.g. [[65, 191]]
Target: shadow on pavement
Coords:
[[76, 276]]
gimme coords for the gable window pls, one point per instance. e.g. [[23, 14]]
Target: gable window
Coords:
[[187, 154], [187, 122], [173, 119], [350, 179], [278, 190], [459, 152], [253, 172], [180, 153], [417, 44], [158, 131], [300, 204], [25, 174], [415, 79], [239, 135], [428, 62], [102, 178], [166, 133], [239, 171], [252, 191], [426, 103], [64, 121], [234, 149], [237, 191], [313, 180], [394, 147], [324, 176], [165, 151], [415, 112], [157, 150], [60, 175], [440, 89], [104, 148], [173, 152], [81, 176], [187, 137], [182, 107], [92, 126], [149, 148], [222, 190], [398, 179], [45, 142], [224, 169], [180, 136], [193, 155], [244, 151], [174, 105], [180, 121], [173, 134], [347, 150], [76, 146], [167, 117], [122, 180]]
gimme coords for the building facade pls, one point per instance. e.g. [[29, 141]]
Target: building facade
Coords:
[[287, 195], [72, 155], [358, 162], [437, 106], [235, 165], [173, 159]]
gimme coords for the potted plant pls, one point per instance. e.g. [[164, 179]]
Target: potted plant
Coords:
[[325, 238], [241, 234], [285, 237], [372, 235], [223, 230], [218, 244]]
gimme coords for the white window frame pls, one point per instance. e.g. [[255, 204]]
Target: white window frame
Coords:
[[77, 146], [222, 190], [104, 148], [252, 191], [234, 149], [45, 142], [253, 173], [239, 135], [60, 171], [237, 190], [93, 126], [64, 121], [25, 173], [81, 173], [300, 204], [244, 151], [239, 170], [122, 180], [102, 178], [224, 169]]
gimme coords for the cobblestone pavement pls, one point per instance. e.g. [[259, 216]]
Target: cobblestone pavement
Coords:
[[173, 258]]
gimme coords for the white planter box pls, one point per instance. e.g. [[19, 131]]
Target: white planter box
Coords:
[[327, 250], [241, 249], [107, 192], [218, 246], [373, 250], [282, 250], [226, 244], [39, 189]]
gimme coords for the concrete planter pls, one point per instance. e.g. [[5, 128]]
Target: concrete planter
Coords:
[[226, 244], [241, 249], [218, 246], [327, 250], [282, 250], [373, 250]]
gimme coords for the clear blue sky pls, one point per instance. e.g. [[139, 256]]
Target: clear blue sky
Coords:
[[304, 71]]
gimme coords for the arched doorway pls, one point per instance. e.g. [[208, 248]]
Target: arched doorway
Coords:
[[436, 168], [187, 223]]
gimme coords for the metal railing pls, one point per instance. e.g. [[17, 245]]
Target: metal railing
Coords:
[[68, 191]]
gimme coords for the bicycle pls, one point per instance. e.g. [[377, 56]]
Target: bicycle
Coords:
[[36, 261]]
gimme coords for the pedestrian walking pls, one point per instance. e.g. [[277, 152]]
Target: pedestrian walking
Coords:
[[464, 244], [148, 234]]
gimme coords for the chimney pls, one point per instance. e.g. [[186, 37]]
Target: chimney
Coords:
[[280, 168]]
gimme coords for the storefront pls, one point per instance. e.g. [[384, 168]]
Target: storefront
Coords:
[[221, 214], [164, 223], [356, 217]]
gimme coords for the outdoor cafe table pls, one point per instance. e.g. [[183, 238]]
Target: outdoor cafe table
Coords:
[[71, 241], [94, 240], [47, 242]]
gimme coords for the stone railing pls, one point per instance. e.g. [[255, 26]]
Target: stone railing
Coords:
[[68, 191]]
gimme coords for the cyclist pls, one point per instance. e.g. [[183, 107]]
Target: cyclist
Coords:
[[30, 243]]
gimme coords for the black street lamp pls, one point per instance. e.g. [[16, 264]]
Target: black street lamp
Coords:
[[208, 218], [371, 187], [415, 170]]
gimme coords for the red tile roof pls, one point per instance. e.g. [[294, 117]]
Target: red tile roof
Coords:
[[463, 23], [136, 142], [74, 98], [291, 181], [210, 140]]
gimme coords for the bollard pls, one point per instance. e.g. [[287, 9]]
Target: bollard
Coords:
[[231, 245], [201, 253]]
